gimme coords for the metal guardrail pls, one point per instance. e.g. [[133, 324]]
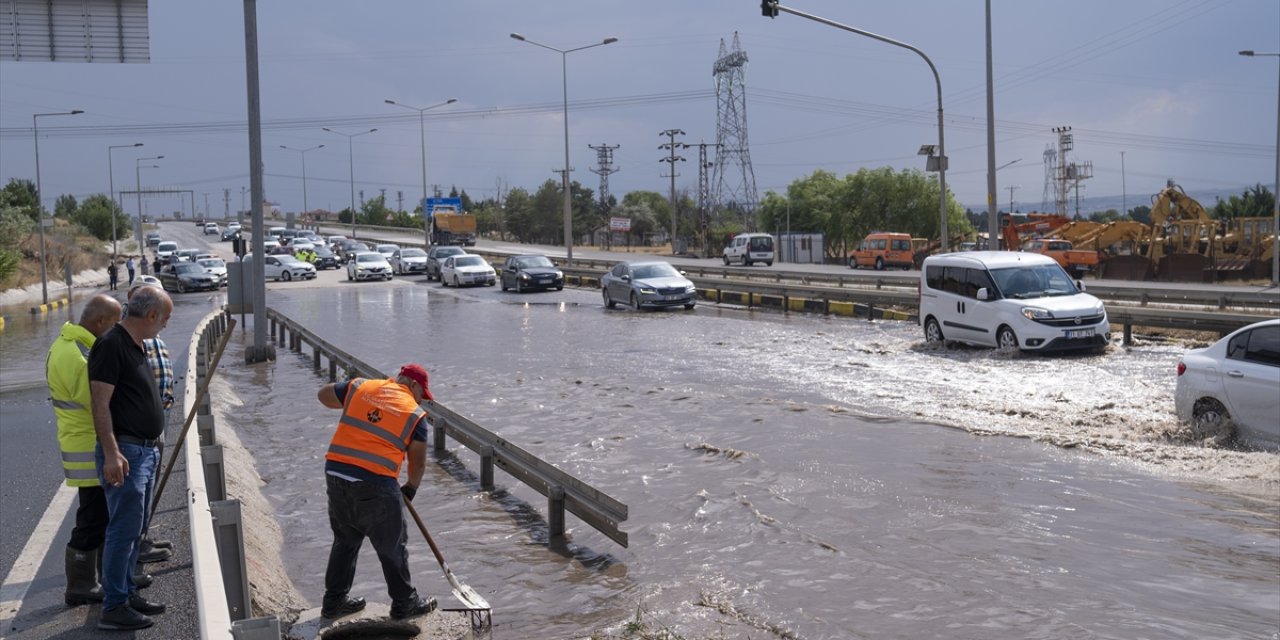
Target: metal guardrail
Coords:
[[563, 491]]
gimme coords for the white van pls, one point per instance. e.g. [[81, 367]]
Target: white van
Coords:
[[1010, 300], [749, 248]]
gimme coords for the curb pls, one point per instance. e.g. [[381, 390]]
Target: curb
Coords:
[[56, 304]]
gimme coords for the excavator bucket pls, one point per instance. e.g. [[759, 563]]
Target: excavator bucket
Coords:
[[1126, 267], [1185, 267]]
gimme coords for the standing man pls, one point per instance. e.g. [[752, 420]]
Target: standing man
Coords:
[[128, 416], [113, 271], [381, 420], [67, 373], [129, 266], [162, 368]]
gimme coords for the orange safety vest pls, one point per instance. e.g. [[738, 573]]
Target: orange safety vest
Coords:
[[377, 422]]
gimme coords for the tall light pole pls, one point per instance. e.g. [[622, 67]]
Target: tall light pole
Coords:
[[564, 73], [303, 152], [111, 181], [351, 170], [1275, 212], [137, 177], [35, 127], [770, 9], [422, 136]]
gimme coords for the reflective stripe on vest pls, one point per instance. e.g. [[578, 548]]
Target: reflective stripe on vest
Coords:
[[69, 405], [377, 422]]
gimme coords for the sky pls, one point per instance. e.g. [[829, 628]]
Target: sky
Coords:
[[1152, 89]]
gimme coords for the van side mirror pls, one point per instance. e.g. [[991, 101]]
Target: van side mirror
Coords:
[[1080, 285], [983, 294], [626, 278]]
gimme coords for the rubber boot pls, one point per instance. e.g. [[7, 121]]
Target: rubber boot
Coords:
[[82, 578]]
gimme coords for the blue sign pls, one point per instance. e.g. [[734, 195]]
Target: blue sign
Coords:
[[429, 205]]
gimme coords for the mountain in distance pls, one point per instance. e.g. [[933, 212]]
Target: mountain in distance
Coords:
[[1208, 198]]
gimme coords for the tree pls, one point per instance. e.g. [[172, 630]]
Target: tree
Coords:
[[65, 206], [1110, 215], [375, 211], [518, 212], [95, 216], [1141, 213], [21, 194], [15, 227], [1255, 202]]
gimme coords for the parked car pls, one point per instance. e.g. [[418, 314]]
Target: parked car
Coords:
[[408, 261], [153, 238], [211, 228], [325, 259], [467, 269], [387, 250], [186, 276], [748, 248], [881, 250], [283, 267], [368, 265], [436, 255], [215, 267], [1234, 380], [647, 284], [523, 273]]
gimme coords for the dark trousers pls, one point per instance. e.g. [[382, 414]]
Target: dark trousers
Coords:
[[91, 520], [359, 510], [131, 277]]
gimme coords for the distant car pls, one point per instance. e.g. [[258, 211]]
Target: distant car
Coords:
[[647, 284], [368, 265], [467, 269], [299, 243], [436, 255], [165, 250], [1234, 380], [153, 238], [348, 248], [523, 273], [186, 255], [145, 280], [312, 236], [211, 228], [216, 267], [186, 276], [408, 261], [325, 259], [283, 267], [386, 250], [230, 232]]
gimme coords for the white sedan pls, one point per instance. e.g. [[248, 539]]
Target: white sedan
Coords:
[[368, 265], [1236, 381], [283, 267], [216, 267], [467, 269]]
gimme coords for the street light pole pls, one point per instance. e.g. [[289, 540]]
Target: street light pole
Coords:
[[111, 181], [564, 74], [35, 127], [771, 8], [351, 171], [137, 176], [422, 137], [1275, 212], [303, 152]]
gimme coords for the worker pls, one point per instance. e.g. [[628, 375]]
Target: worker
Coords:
[[67, 374], [381, 420]]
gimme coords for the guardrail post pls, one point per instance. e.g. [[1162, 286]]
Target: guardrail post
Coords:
[[315, 358], [204, 429], [1128, 333], [333, 369], [486, 468], [437, 434], [555, 511], [267, 628], [215, 474], [228, 529]]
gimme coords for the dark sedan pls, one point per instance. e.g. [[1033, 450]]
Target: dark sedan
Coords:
[[647, 284], [524, 273], [325, 259], [436, 256], [187, 276]]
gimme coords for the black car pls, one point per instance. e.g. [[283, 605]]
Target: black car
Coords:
[[187, 276], [325, 259], [436, 256], [349, 248], [523, 273]]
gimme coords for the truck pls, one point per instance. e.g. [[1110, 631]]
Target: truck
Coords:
[[1077, 262], [450, 225]]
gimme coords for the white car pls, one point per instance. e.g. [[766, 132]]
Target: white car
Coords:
[[211, 228], [283, 267], [165, 250], [217, 267], [368, 265], [387, 250], [1236, 380], [467, 269], [409, 261]]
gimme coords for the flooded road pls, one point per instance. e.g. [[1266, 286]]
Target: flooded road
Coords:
[[788, 476]]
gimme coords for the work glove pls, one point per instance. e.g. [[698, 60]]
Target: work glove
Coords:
[[409, 492]]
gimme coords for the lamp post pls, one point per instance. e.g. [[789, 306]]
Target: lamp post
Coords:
[[564, 73], [1275, 212], [303, 152], [111, 181], [351, 170], [35, 127], [137, 177], [770, 8], [422, 138]]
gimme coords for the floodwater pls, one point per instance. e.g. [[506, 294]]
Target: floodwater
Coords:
[[788, 476]]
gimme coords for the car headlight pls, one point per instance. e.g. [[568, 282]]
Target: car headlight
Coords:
[[524, 276], [559, 275], [690, 289], [1036, 313], [648, 290]]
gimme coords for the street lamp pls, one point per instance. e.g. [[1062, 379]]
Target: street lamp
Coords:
[[137, 177], [1275, 213], [770, 8], [422, 136], [351, 171], [303, 152], [564, 72], [35, 127], [111, 181]]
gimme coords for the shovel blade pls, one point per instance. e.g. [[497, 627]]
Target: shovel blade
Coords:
[[468, 596]]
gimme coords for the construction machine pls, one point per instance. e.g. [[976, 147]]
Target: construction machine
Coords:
[[1182, 245], [1244, 249], [1037, 225]]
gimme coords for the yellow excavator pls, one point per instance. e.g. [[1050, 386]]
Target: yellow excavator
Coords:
[[1244, 249]]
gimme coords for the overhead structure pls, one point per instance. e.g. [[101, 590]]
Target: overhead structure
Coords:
[[110, 31], [604, 157], [1068, 175], [734, 180]]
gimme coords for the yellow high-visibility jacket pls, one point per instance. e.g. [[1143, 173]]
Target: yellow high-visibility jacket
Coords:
[[67, 372]]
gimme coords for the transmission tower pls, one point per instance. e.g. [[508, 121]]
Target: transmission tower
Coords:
[[1068, 176], [735, 182], [604, 156], [677, 242], [1050, 171]]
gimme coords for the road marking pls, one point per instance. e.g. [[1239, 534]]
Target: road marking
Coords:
[[14, 589]]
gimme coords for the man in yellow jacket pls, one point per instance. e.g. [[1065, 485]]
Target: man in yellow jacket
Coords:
[[67, 373]]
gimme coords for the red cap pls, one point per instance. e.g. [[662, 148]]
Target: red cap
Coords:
[[416, 373]]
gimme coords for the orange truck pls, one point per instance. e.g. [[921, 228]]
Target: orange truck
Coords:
[[1077, 262]]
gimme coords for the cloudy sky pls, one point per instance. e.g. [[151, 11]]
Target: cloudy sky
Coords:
[[1158, 81]]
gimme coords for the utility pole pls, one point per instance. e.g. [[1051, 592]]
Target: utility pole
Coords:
[[704, 195], [1012, 188], [206, 205], [604, 156], [671, 146], [1124, 192], [243, 191], [399, 200], [226, 204]]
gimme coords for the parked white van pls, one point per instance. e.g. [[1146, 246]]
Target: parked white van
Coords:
[[1008, 299], [749, 248]]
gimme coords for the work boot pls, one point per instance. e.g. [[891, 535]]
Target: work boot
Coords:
[[82, 578], [122, 618], [149, 553], [346, 607], [142, 580], [159, 544], [413, 607], [144, 606]]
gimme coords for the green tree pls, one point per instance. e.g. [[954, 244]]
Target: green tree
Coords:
[[1255, 202], [95, 217], [519, 214], [65, 207], [1141, 213], [21, 194], [375, 212], [1110, 215]]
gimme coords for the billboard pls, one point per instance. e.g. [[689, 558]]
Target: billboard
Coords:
[[110, 31]]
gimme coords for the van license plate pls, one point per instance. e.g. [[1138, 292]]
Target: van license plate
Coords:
[[1080, 333]]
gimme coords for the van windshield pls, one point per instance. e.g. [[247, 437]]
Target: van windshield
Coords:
[[762, 243], [1038, 281]]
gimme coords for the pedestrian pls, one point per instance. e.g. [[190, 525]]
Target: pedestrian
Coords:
[[67, 374], [113, 272], [380, 422], [162, 368], [129, 266], [128, 417]]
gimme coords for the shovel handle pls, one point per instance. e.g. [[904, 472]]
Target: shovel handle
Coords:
[[423, 528]]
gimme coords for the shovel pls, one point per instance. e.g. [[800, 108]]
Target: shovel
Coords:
[[476, 605]]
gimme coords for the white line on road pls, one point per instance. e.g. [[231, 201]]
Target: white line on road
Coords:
[[14, 588]]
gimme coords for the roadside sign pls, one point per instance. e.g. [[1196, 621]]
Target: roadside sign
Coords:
[[620, 224]]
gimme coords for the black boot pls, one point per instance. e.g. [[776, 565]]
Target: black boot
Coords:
[[149, 554], [82, 578]]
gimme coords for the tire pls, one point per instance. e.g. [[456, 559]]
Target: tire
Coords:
[[443, 283], [853, 263], [182, 288], [635, 301], [350, 277], [933, 331], [769, 264], [504, 283], [726, 260], [519, 287], [1209, 418], [879, 264], [456, 283], [560, 288], [387, 277], [608, 302], [288, 276], [689, 307], [1006, 338]]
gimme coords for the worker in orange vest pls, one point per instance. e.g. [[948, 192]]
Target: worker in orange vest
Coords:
[[381, 422]]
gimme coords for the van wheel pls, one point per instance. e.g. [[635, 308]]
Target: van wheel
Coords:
[[853, 263], [768, 264], [879, 264], [933, 331], [1006, 338], [726, 260], [746, 262]]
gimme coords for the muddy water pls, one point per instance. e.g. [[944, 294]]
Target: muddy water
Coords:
[[789, 476]]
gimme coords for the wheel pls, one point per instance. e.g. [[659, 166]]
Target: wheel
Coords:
[[519, 287], [443, 282], [455, 281], [853, 263], [769, 264], [560, 288], [635, 301], [287, 276], [726, 260], [933, 331], [879, 264], [608, 302], [1209, 418], [1006, 338], [182, 288], [387, 277], [504, 284], [689, 306], [746, 262], [349, 277]]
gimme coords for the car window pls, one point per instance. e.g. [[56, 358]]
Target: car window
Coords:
[[1261, 345], [369, 257], [762, 244], [531, 263], [468, 261], [976, 279], [655, 271], [412, 253]]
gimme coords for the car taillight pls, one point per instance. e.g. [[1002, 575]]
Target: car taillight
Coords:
[[1182, 367]]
